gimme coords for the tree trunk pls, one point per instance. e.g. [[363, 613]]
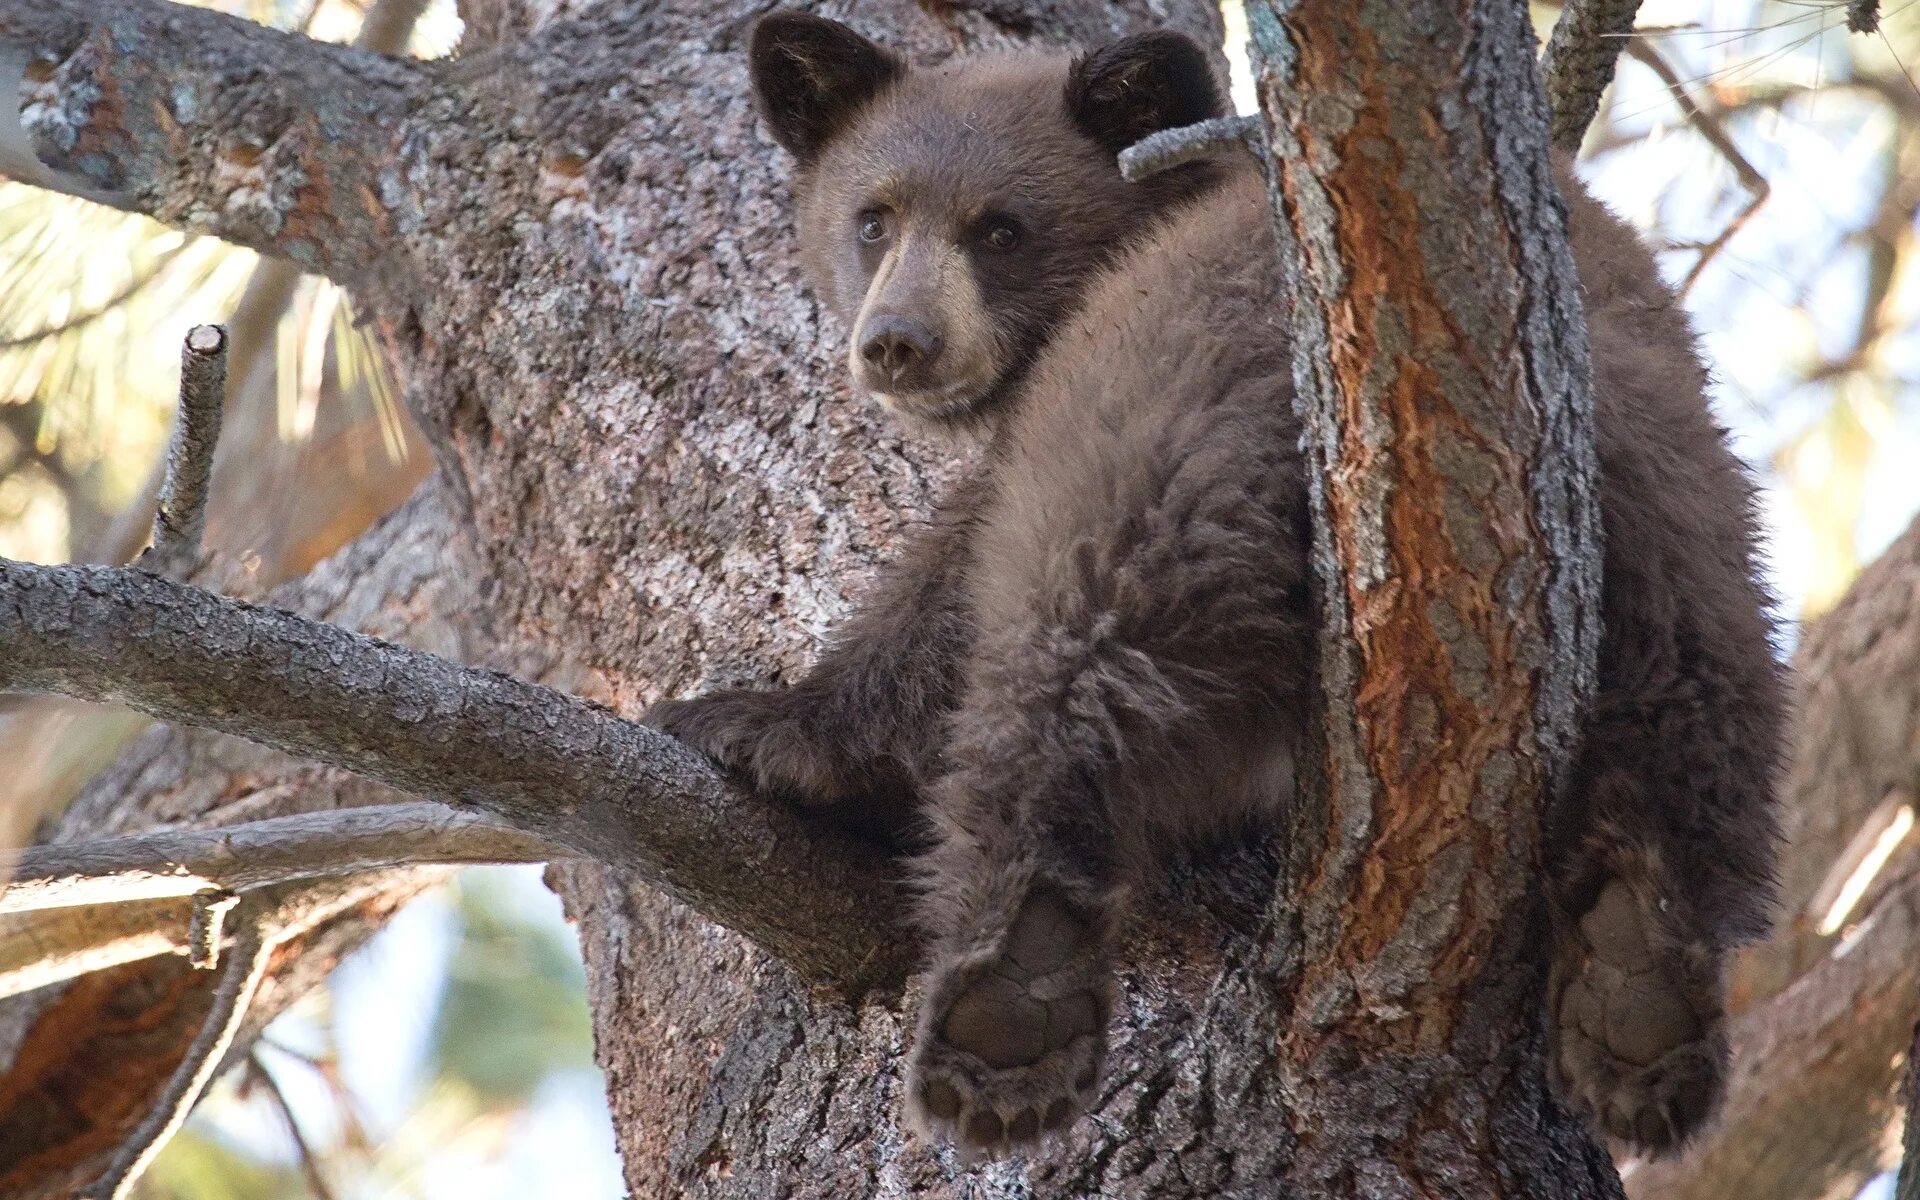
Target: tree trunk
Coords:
[[575, 245], [1411, 886]]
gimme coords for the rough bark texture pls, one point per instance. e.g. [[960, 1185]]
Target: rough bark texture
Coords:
[[560, 767], [1437, 322], [86, 1061], [640, 415], [268, 139], [652, 479], [1579, 62]]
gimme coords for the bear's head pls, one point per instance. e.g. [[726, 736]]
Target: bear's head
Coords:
[[952, 215]]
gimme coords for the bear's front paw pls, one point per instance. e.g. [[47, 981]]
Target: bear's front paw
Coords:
[[771, 738], [1010, 1046]]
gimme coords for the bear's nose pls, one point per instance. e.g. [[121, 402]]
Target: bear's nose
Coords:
[[896, 346]]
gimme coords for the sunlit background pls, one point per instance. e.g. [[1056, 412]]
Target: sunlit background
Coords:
[[1773, 156]]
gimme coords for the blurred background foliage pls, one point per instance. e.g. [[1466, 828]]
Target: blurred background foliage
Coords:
[[1771, 155], [451, 1056]]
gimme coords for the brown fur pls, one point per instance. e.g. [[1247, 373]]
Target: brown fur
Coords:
[[1102, 643]]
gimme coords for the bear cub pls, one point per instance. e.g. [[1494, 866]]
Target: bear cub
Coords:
[[1102, 642]]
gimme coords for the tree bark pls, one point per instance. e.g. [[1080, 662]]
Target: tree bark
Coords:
[[1437, 320], [1907, 1185], [575, 246], [88, 1059]]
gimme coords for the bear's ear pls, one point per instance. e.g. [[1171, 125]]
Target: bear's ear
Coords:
[[810, 74], [1140, 85]]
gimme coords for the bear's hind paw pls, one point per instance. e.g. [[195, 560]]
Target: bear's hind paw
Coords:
[[1010, 1049]]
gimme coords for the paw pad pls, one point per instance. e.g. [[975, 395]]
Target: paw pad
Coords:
[[1636, 1015], [1010, 1050]]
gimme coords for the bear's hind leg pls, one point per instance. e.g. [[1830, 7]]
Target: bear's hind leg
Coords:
[[1022, 899], [1636, 1001]]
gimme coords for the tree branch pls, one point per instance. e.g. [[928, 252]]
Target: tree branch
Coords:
[[309, 1163], [210, 123], [41, 948], [1716, 135], [182, 512], [240, 858], [554, 766], [1172, 148], [49, 945], [1579, 63], [1908, 1185], [246, 966]]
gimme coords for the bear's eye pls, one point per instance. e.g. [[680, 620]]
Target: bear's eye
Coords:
[[1001, 233], [873, 225]]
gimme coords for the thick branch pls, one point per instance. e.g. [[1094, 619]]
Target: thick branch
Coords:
[[212, 124], [1579, 63], [560, 768], [240, 858]]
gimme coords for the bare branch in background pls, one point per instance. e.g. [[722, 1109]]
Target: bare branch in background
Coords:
[[257, 1072], [182, 513], [49, 945], [240, 858], [1579, 63], [45, 947], [1710, 127], [246, 965], [1908, 1186]]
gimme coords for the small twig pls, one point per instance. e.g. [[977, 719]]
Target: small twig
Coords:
[[206, 925], [1579, 62], [1863, 16], [1709, 126], [240, 858], [239, 979], [1172, 148], [182, 514], [309, 1163]]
